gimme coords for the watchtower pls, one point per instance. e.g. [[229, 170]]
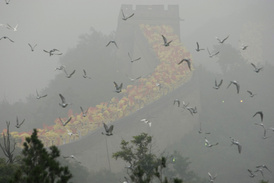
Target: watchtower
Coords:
[[130, 38]]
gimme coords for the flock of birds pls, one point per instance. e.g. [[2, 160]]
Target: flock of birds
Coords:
[[217, 86], [108, 130]]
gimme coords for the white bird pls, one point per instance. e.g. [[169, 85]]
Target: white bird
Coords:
[[166, 43], [70, 133], [256, 69], [72, 157], [146, 122], [211, 178], [113, 42], [208, 144], [217, 86], [222, 40], [212, 54], [64, 103], [187, 61], [198, 47], [12, 28], [118, 89], [133, 60], [133, 79], [66, 122], [192, 110], [17, 122], [263, 166], [235, 142], [84, 112], [39, 96], [108, 130], [32, 47], [124, 17], [236, 84]]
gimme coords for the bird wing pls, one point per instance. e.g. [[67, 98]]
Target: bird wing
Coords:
[[197, 45], [253, 65], [108, 43], [225, 39], [72, 73], [220, 83], [123, 13], [120, 87], [67, 121], [210, 176], [82, 109], [84, 72], [249, 92], [116, 85], [238, 87], [22, 122], [261, 115], [110, 129], [229, 84], [115, 43], [208, 51], [129, 56], [106, 128], [130, 16], [188, 63], [239, 148], [10, 39], [44, 95], [136, 59], [62, 98], [164, 38]]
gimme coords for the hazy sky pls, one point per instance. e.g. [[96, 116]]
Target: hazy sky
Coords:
[[58, 24]]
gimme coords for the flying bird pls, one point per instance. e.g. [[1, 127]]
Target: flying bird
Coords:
[[52, 52], [108, 130], [133, 60], [17, 122], [244, 47], [236, 84], [5, 37], [118, 89], [263, 166], [85, 74], [235, 142], [208, 144], [63, 104], [261, 115], [84, 112], [256, 69], [166, 43], [70, 133], [251, 94], [260, 170], [198, 47], [187, 61], [66, 122], [124, 17], [212, 54], [217, 86], [12, 28], [40, 96], [222, 40], [211, 178], [133, 79], [113, 42], [69, 75], [146, 122], [32, 47], [7, 1], [192, 110], [252, 175], [72, 157], [61, 67], [176, 101]]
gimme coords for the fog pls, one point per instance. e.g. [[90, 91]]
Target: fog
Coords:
[[81, 29]]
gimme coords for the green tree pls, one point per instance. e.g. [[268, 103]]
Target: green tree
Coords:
[[7, 170], [144, 166], [39, 165]]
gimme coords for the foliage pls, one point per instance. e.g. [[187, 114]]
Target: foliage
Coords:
[[7, 170], [39, 165], [144, 166]]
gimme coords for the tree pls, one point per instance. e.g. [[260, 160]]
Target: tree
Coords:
[[144, 166], [39, 165], [7, 148], [7, 170]]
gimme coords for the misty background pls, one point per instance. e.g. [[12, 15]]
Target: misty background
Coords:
[[81, 29]]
